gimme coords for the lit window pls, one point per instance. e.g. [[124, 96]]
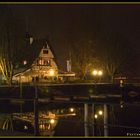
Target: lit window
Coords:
[[40, 62], [48, 62]]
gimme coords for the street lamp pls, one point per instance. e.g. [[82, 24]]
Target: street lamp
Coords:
[[97, 122], [97, 72], [94, 72], [71, 109], [52, 121], [95, 116], [100, 73], [100, 112]]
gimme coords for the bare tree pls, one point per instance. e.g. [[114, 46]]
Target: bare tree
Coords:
[[10, 46], [114, 54], [83, 57]]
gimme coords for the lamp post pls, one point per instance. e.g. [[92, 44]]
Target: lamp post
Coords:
[[36, 111], [95, 73], [99, 73], [105, 120], [98, 117], [86, 119], [20, 85]]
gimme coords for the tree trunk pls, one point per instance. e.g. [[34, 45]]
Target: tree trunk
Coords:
[[84, 76], [112, 79]]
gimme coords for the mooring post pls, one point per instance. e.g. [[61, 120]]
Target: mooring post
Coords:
[[93, 120], [86, 119], [105, 120], [20, 85], [36, 113]]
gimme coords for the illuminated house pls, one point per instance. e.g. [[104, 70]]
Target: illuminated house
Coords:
[[44, 68]]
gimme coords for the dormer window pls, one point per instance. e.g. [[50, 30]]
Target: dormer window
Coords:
[[45, 51]]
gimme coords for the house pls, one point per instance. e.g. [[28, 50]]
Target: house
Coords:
[[43, 69]]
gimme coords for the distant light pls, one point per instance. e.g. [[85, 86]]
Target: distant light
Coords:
[[95, 72], [96, 116], [51, 72], [52, 121], [121, 106], [100, 112], [25, 127], [121, 81], [71, 109], [31, 40], [100, 73], [24, 62]]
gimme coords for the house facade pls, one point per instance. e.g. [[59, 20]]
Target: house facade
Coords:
[[44, 68]]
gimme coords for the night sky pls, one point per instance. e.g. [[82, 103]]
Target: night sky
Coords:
[[62, 24]]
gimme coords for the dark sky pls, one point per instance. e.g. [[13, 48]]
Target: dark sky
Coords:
[[63, 23]]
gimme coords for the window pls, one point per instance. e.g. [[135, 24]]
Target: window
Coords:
[[45, 51], [47, 62], [39, 62]]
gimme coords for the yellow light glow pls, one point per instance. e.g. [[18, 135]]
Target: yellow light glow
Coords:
[[95, 72], [121, 81], [24, 62], [100, 73], [51, 72], [52, 121], [25, 127], [41, 126], [100, 112], [96, 116], [71, 109], [121, 106]]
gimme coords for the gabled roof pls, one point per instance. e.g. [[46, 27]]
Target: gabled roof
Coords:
[[38, 45]]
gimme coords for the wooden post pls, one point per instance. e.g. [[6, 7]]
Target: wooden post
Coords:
[[36, 113], [86, 119], [93, 120], [20, 85], [105, 120]]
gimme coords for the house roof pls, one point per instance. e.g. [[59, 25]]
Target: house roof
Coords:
[[33, 51], [37, 45]]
